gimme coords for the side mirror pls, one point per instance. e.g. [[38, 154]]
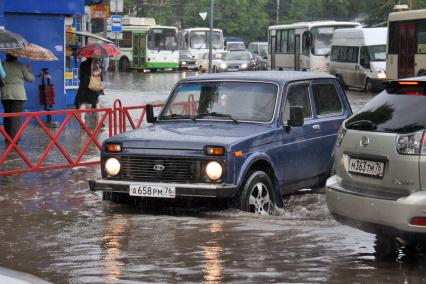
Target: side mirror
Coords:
[[296, 116], [150, 118]]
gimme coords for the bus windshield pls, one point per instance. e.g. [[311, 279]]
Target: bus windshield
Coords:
[[377, 52], [162, 39], [322, 40], [199, 39]]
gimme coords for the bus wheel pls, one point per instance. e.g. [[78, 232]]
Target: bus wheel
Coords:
[[124, 65], [369, 86]]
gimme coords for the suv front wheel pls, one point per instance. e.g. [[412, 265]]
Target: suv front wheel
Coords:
[[257, 195]]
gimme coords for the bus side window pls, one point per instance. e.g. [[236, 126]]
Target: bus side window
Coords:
[[305, 42], [393, 40], [421, 37]]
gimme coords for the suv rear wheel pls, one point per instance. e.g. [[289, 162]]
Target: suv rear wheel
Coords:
[[257, 195]]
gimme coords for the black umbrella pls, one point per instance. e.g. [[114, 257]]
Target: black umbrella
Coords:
[[10, 40]]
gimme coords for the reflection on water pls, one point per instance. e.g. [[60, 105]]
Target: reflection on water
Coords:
[[115, 232], [213, 255]]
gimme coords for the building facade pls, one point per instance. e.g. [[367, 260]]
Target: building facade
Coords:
[[46, 24]]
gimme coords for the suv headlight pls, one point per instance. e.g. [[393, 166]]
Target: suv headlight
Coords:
[[243, 66], [223, 65], [112, 166], [214, 170]]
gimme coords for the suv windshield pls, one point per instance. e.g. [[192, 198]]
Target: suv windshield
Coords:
[[397, 110], [243, 101]]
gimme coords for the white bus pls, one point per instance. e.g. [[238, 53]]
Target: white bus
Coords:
[[147, 46], [406, 53], [195, 41], [302, 46]]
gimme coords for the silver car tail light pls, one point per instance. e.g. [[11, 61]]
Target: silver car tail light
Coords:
[[411, 144], [340, 135]]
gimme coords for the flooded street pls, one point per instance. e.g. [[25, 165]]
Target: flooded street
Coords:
[[53, 227]]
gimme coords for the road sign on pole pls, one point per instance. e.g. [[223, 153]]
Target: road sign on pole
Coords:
[[116, 23], [203, 15]]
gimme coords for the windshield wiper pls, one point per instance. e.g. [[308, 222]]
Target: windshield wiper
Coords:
[[362, 124], [178, 116], [216, 114]]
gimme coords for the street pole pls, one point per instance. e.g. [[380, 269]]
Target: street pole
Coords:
[[277, 16], [210, 35]]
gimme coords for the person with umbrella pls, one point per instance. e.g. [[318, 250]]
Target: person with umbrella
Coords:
[[87, 98], [9, 41], [89, 70], [13, 93]]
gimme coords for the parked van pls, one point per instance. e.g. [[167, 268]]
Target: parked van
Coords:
[[358, 57]]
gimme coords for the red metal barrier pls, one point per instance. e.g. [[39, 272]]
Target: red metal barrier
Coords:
[[140, 117], [118, 118], [106, 113]]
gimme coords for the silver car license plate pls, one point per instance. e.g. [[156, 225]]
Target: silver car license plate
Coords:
[[152, 191], [366, 167]]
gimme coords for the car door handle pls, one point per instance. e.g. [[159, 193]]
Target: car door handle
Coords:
[[316, 127]]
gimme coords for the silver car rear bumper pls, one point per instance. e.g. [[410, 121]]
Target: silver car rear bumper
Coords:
[[362, 211]]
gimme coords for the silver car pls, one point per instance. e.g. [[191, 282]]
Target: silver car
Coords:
[[379, 184], [203, 62]]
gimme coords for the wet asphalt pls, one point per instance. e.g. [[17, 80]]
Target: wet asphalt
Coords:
[[52, 226]]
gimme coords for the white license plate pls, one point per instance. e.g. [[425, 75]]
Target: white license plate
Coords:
[[366, 167], [152, 191]]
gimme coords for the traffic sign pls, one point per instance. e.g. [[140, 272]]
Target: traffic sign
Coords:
[[116, 23]]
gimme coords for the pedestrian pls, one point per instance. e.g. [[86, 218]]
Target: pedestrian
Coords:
[[87, 98], [13, 95]]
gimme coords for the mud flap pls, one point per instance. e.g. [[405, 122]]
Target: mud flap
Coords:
[[277, 195]]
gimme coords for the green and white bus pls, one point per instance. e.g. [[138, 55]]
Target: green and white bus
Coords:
[[148, 47]]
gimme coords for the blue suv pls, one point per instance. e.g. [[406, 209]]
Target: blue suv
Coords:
[[250, 137]]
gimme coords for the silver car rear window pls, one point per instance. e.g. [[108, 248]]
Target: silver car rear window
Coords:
[[396, 110]]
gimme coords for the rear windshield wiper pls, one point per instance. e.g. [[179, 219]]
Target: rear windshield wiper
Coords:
[[216, 114], [362, 124], [175, 115]]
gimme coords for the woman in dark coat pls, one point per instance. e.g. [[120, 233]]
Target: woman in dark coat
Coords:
[[86, 98]]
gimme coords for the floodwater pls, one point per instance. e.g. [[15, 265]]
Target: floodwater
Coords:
[[52, 226]]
